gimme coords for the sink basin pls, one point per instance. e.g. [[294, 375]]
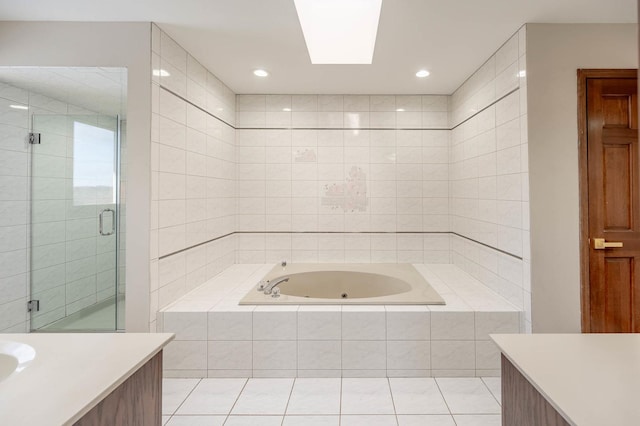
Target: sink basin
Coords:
[[14, 357]]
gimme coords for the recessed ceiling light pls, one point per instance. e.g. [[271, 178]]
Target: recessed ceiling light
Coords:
[[400, 110], [423, 73], [18, 106], [286, 109], [522, 73], [161, 73], [261, 73], [339, 31]]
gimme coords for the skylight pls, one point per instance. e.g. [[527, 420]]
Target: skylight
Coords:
[[339, 31]]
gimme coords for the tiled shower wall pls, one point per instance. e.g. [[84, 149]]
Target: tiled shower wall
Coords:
[[193, 173], [72, 267], [489, 175], [14, 210]]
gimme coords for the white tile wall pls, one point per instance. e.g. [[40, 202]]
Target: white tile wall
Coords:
[[342, 111], [254, 247], [343, 177], [14, 206], [193, 163], [489, 174], [343, 163]]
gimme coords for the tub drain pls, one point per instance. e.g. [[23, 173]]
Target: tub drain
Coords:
[[344, 295]]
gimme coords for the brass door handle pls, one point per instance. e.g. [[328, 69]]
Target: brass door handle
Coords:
[[601, 244]]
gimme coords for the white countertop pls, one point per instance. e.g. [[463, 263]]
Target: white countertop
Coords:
[[590, 379], [71, 373]]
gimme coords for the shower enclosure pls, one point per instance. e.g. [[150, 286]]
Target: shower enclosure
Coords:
[[62, 138], [74, 223]]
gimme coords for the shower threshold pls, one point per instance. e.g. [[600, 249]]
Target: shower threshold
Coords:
[[90, 319]]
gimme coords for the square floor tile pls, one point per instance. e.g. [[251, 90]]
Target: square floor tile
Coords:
[[174, 392], [315, 396], [417, 396], [428, 420], [311, 421], [478, 420], [366, 396], [468, 396], [212, 396], [495, 386], [197, 421], [253, 421], [264, 397], [379, 420]]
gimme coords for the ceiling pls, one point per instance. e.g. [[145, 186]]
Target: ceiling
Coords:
[[234, 37], [101, 90]]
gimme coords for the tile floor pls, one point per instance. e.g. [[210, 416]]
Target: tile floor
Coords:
[[332, 402]]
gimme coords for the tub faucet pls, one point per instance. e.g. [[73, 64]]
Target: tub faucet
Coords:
[[274, 283]]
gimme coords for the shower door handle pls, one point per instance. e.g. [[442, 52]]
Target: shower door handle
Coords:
[[113, 222]]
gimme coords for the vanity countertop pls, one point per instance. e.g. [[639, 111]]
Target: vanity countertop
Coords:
[[590, 379], [71, 373]]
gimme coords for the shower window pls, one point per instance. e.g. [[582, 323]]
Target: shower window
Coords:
[[94, 179]]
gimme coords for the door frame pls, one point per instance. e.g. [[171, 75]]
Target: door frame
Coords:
[[583, 176]]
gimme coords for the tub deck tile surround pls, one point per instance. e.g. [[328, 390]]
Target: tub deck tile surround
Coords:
[[216, 337]]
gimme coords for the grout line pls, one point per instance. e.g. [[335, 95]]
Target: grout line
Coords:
[[187, 397], [206, 348], [444, 399], [340, 408], [237, 399], [253, 340], [293, 385], [491, 392], [393, 402], [386, 344]]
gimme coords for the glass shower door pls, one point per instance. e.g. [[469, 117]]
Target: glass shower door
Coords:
[[74, 223]]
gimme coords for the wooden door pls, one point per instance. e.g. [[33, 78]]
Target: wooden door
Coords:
[[613, 206]]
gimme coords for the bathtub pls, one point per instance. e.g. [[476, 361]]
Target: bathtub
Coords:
[[345, 284]]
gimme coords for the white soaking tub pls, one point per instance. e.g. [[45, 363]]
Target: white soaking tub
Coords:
[[344, 284]]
